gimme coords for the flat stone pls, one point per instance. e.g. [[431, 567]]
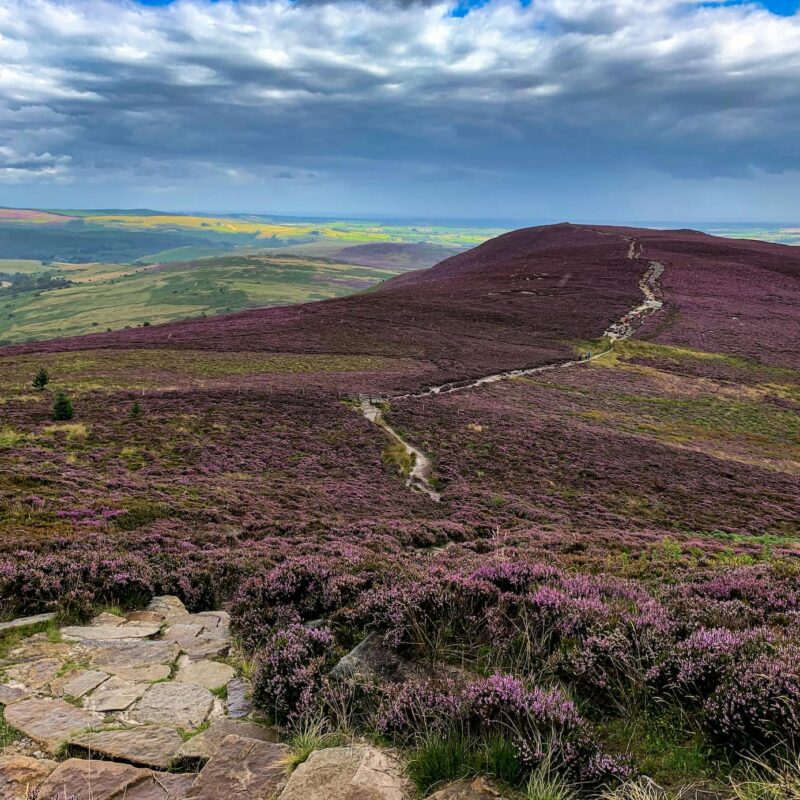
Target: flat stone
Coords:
[[101, 633], [205, 744], [161, 786], [211, 674], [37, 647], [12, 693], [115, 695], [207, 619], [241, 769], [147, 745], [176, 633], [20, 776], [136, 661], [23, 622], [78, 683], [81, 779], [48, 720], [359, 772], [201, 647], [145, 616], [168, 606], [35, 674], [184, 705], [105, 619], [468, 789], [240, 691]]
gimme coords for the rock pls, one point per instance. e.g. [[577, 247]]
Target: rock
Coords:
[[161, 786], [78, 683], [79, 779], [184, 705], [20, 776], [370, 659], [149, 746], [136, 661], [211, 674], [145, 616], [205, 744], [206, 619], [35, 674], [240, 690], [12, 693], [48, 720], [176, 633], [468, 789], [201, 647], [101, 633], [167, 606], [115, 695], [359, 772], [23, 622], [241, 769], [105, 619]]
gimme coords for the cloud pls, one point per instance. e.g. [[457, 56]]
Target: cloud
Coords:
[[367, 95]]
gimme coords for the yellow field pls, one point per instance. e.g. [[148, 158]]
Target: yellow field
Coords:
[[215, 224]]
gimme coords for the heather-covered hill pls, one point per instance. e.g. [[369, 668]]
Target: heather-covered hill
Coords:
[[612, 563]]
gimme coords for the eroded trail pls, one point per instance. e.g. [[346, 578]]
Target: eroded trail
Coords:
[[419, 478]]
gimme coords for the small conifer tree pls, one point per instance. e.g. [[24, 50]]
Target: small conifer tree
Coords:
[[62, 408], [136, 410], [41, 380]]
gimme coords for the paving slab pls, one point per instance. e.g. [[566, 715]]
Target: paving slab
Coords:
[[211, 674], [202, 647], [77, 683], [101, 633], [23, 622], [205, 744], [241, 769], [115, 694], [161, 786], [13, 692], [346, 773], [84, 779], [49, 721], [176, 633], [145, 616], [147, 745], [184, 705], [35, 674], [136, 661], [109, 619], [20, 776]]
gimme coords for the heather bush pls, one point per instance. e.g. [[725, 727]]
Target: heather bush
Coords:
[[290, 672], [757, 707]]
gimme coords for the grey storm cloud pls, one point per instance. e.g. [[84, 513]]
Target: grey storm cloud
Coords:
[[358, 93]]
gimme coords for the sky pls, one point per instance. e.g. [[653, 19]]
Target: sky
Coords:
[[590, 110]]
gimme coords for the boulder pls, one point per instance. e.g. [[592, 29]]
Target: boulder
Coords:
[[167, 606], [359, 772], [49, 721], [368, 660], [205, 744], [241, 769], [211, 674], [106, 619], [148, 745], [79, 779], [182, 705], [20, 776]]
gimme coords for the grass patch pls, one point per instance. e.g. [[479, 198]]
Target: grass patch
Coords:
[[73, 430], [11, 638], [8, 735], [310, 737], [441, 758], [140, 514], [396, 457]]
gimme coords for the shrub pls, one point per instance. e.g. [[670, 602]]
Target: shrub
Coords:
[[290, 672], [440, 758], [136, 410], [62, 408], [41, 379], [758, 707]]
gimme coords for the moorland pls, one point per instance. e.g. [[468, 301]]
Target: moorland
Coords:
[[600, 597]]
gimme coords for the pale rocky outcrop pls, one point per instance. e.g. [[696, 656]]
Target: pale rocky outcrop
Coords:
[[359, 772]]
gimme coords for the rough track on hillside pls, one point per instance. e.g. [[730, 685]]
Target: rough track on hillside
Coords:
[[419, 478]]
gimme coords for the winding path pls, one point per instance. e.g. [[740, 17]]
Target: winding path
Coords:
[[419, 477]]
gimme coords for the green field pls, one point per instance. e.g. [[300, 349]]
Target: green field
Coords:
[[103, 296]]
